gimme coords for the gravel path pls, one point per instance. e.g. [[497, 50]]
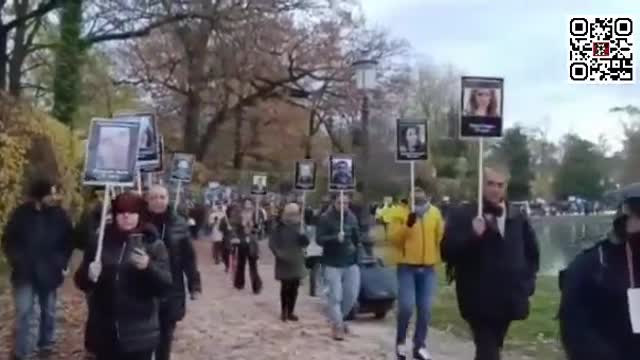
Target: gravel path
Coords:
[[227, 324]]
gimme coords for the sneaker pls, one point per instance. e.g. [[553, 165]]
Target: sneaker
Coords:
[[293, 317], [337, 333], [401, 352], [421, 354]]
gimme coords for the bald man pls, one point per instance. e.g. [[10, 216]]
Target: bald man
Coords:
[[174, 231], [494, 259]]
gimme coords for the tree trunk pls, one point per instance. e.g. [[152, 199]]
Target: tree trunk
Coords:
[[69, 54], [4, 57], [193, 106], [19, 52], [238, 154]]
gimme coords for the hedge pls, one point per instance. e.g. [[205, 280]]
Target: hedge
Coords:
[[34, 144]]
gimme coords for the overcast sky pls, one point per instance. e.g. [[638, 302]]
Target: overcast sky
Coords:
[[522, 41]]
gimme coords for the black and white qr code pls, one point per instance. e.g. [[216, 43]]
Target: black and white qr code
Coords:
[[601, 50]]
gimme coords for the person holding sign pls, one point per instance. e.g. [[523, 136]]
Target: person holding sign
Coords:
[[416, 239], [339, 259], [125, 284], [600, 306], [494, 259]]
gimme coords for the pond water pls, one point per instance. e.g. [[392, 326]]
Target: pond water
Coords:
[[561, 238]]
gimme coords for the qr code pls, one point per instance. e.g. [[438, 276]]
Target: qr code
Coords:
[[601, 50]]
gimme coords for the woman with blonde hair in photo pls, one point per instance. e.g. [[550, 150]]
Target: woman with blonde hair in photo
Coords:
[[482, 102]]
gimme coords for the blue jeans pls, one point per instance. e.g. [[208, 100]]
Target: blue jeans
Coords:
[[344, 286], [417, 287], [24, 299]]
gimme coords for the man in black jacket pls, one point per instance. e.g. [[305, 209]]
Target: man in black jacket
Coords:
[[174, 231], [595, 319], [37, 244], [494, 260]]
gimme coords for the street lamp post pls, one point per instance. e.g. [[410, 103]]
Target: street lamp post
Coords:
[[365, 72]]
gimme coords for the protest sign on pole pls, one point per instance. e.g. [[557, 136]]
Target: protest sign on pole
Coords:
[[342, 177], [412, 144], [181, 172], [481, 116]]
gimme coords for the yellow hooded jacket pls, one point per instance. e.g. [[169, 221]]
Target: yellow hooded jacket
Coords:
[[420, 244]]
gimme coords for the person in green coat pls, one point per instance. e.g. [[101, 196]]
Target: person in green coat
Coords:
[[287, 243]]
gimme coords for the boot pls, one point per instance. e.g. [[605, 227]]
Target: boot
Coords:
[[291, 308]]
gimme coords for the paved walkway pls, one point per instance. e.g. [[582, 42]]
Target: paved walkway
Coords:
[[227, 324]]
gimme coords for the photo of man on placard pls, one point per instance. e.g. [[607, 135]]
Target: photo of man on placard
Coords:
[[182, 167], [259, 185], [112, 151], [482, 107], [411, 140], [342, 173], [305, 175]]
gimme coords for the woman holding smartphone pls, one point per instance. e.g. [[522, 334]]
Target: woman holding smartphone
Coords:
[[124, 284]]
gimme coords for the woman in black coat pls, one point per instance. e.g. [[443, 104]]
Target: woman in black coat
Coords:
[[124, 285]]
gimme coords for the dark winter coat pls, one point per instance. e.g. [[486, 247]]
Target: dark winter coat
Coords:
[[124, 303], [174, 232], [287, 245], [335, 253], [86, 227], [495, 275], [38, 244], [594, 317]]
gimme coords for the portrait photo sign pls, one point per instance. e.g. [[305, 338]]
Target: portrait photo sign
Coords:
[[412, 140], [482, 101], [182, 167], [342, 173], [149, 152], [305, 175], [259, 184], [112, 152]]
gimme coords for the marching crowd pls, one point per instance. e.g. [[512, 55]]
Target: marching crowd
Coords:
[[137, 291]]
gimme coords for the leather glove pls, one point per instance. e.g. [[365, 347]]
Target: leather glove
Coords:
[[411, 220]]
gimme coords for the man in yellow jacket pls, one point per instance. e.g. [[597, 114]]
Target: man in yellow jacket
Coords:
[[415, 238]]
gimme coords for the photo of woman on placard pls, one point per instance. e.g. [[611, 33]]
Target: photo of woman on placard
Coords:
[[113, 148], [482, 102], [259, 186], [412, 139]]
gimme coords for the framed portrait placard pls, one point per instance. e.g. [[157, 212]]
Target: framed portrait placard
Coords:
[[305, 175], [149, 152], [342, 174], [259, 184], [412, 140], [182, 167], [112, 152], [482, 104]]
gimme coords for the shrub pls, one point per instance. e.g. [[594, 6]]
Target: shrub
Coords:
[[34, 144]]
